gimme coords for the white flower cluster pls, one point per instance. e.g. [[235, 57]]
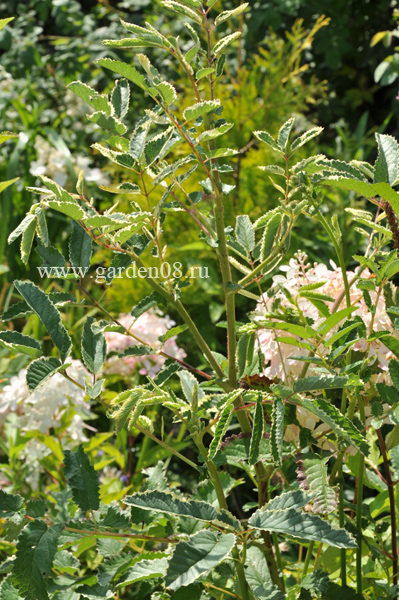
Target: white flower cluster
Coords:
[[52, 162], [148, 328], [44, 408]]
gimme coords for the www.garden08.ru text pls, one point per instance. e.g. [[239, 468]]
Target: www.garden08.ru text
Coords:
[[107, 274]]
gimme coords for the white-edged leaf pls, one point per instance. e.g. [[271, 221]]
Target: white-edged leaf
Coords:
[[93, 347], [222, 44], [120, 98], [305, 138], [228, 14], [386, 166], [245, 232], [17, 342], [24, 224], [212, 134], [200, 109], [284, 133], [268, 139], [40, 370]]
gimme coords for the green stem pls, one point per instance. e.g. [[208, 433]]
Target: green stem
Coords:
[[308, 558], [341, 261], [176, 453], [342, 524], [359, 536], [392, 509], [214, 476]]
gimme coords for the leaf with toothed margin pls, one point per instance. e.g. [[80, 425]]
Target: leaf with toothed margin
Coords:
[[127, 71], [257, 433], [339, 423], [36, 548], [362, 188], [17, 342], [305, 138], [9, 504], [195, 557], [120, 98], [222, 44], [24, 224], [277, 430], [301, 525], [284, 133], [386, 168], [200, 109], [41, 304], [267, 138], [82, 478], [220, 430], [93, 347], [40, 370], [165, 502]]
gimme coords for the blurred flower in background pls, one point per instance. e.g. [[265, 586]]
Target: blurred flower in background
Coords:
[[148, 327], [278, 356]]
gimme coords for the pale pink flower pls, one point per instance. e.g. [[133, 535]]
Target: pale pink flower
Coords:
[[278, 356], [148, 328]]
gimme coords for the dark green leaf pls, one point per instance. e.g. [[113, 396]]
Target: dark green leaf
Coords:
[[47, 313], [257, 432], [82, 478], [36, 547], [196, 557], [80, 247], [40, 370]]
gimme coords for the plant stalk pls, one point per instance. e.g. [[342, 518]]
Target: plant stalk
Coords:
[[391, 494]]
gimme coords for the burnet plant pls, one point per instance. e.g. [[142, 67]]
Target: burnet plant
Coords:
[[303, 533]]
